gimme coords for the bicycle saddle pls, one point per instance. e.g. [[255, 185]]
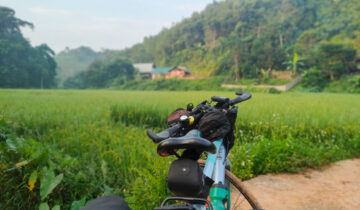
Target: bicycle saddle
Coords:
[[190, 141]]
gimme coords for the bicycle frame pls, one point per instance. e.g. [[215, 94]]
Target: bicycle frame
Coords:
[[215, 169]]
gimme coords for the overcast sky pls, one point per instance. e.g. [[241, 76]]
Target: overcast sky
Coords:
[[110, 24]]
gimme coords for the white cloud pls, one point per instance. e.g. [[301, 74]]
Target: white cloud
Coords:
[[46, 11]]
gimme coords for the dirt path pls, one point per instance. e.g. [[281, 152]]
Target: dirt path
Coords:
[[278, 87], [334, 187]]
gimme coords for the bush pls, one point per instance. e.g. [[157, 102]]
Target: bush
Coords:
[[348, 84], [274, 91], [315, 79]]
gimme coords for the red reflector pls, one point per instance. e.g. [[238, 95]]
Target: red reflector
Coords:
[[208, 198]]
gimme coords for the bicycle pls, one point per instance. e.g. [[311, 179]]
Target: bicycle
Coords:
[[200, 189]]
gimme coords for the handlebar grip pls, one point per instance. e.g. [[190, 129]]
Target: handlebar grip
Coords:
[[220, 99], [242, 96], [165, 134]]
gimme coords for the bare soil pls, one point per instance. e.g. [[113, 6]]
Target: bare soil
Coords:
[[336, 186], [278, 87]]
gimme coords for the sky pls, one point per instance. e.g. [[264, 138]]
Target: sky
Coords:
[[99, 24]]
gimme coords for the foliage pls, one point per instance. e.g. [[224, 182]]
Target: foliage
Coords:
[[295, 64], [336, 59], [74, 61], [274, 91], [136, 53], [21, 65], [346, 84], [265, 75], [74, 82], [48, 182], [102, 74], [97, 140], [315, 79], [25, 163]]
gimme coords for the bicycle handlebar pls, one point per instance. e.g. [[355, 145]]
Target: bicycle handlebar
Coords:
[[242, 96], [197, 113], [220, 99]]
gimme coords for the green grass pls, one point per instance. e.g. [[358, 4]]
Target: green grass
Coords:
[[213, 84], [174, 84], [97, 140]]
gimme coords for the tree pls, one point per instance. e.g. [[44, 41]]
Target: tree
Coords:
[[21, 65], [48, 68], [9, 24], [336, 59], [295, 64]]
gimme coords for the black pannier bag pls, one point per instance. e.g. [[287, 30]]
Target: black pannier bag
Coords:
[[185, 178], [214, 125], [110, 202]]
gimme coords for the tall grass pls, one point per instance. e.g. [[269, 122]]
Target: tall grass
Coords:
[[97, 140]]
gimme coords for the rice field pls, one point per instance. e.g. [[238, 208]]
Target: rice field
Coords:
[[96, 139]]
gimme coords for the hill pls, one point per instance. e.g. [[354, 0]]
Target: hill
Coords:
[[238, 38]]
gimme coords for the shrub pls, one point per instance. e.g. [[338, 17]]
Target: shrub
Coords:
[[315, 79], [348, 84], [274, 91]]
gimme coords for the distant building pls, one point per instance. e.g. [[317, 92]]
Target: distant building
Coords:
[[145, 69], [178, 72], [170, 72], [160, 72]]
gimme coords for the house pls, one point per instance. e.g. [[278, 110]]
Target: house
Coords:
[[178, 72], [160, 72], [171, 72], [145, 69]]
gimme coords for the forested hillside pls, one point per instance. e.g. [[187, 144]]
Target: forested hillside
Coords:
[[74, 61], [22, 65], [241, 37]]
